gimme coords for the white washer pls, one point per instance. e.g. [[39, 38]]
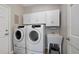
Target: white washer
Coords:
[[35, 40], [19, 40]]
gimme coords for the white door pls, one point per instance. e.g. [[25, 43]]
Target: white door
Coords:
[[4, 29], [73, 29]]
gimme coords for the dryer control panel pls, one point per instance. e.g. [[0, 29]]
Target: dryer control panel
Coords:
[[36, 26], [20, 26]]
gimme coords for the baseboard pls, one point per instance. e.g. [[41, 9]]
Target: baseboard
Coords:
[[11, 52]]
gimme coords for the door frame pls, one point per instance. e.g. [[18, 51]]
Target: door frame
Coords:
[[68, 28]]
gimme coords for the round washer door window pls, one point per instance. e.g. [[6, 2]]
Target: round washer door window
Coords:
[[18, 35], [34, 35]]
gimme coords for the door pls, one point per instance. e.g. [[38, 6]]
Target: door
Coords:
[[52, 18], [73, 29], [4, 29], [38, 17]]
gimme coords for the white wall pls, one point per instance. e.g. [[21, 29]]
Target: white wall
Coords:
[[63, 29], [17, 10], [41, 7]]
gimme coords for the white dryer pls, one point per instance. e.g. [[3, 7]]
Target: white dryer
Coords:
[[19, 40], [35, 40]]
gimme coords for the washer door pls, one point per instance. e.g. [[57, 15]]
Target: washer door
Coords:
[[19, 35], [34, 36]]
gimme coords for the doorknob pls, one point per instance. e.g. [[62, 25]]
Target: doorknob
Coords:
[[6, 30], [71, 5], [68, 39], [6, 34]]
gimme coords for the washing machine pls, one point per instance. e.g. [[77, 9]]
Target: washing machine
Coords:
[[35, 39], [19, 40]]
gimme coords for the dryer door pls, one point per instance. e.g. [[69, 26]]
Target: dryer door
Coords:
[[18, 35], [34, 36]]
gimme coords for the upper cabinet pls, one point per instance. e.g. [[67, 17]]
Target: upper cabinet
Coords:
[[38, 17], [50, 18], [34, 18]]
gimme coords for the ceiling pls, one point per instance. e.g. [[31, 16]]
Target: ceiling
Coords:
[[27, 5]]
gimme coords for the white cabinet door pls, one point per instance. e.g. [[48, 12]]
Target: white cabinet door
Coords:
[[73, 28], [4, 29], [38, 17], [52, 18]]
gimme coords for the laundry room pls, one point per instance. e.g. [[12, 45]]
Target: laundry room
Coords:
[[39, 29]]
